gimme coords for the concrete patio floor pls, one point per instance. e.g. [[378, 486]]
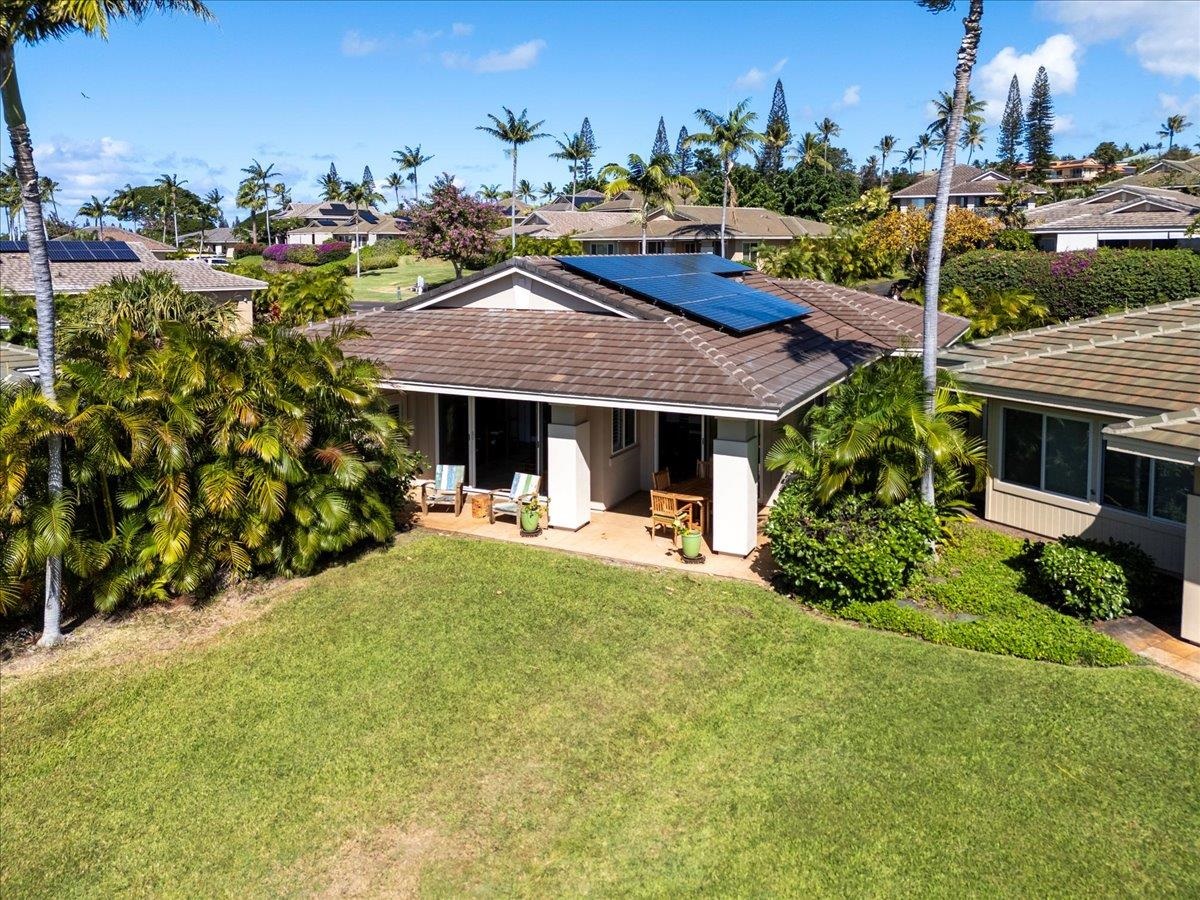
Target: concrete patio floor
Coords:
[[621, 533], [1147, 639]]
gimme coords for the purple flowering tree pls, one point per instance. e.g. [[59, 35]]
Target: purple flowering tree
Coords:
[[454, 225]]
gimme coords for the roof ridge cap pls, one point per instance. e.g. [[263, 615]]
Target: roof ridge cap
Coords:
[[1148, 423], [1046, 352], [686, 330], [1079, 323]]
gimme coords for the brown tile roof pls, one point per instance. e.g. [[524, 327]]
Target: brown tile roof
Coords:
[[1117, 207], [561, 222], [966, 181], [1165, 173], [77, 277], [1138, 363], [690, 223], [112, 233], [656, 357], [1176, 434]]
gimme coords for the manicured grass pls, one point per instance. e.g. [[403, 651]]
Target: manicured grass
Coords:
[[975, 597], [458, 717], [381, 284]]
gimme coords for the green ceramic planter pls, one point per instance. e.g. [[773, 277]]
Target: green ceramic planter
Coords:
[[530, 519], [691, 544]]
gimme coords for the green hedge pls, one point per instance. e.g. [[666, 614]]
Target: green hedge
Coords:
[[1079, 283]]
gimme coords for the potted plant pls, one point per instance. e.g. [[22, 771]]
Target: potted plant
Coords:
[[531, 514], [689, 537]]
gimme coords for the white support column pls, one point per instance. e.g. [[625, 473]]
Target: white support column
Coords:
[[735, 491], [1189, 627], [568, 470]]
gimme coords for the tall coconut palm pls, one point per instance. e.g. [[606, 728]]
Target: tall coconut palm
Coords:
[[886, 145], [525, 192], [729, 135], [261, 178], [490, 191], [31, 24], [910, 157], [943, 105], [212, 209], [924, 144], [957, 110], [250, 198], [393, 183], [809, 151], [96, 209], [332, 187], [170, 185], [573, 150], [1173, 126], [359, 196], [48, 188], [410, 160], [828, 130], [516, 131], [656, 182], [547, 191], [972, 138], [283, 195]]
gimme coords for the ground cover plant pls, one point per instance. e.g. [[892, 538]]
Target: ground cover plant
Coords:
[[453, 717]]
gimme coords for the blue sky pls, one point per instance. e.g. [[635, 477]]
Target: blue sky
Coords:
[[301, 84]]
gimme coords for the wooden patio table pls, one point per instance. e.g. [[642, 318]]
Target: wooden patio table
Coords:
[[694, 490]]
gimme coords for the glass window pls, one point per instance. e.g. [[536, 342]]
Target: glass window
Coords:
[[1021, 461], [1127, 481], [1172, 481], [624, 429], [1066, 456]]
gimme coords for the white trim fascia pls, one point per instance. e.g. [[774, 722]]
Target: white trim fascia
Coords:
[[1053, 402], [513, 272], [1123, 443]]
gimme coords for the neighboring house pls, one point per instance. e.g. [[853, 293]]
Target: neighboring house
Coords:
[[697, 229], [535, 365], [335, 221], [556, 223], [75, 276], [970, 188], [17, 363], [112, 233], [1117, 216], [1093, 429], [217, 241], [1067, 172], [1166, 173], [506, 207], [583, 198], [625, 201]]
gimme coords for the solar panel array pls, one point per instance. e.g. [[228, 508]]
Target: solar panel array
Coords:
[[692, 284], [78, 251]]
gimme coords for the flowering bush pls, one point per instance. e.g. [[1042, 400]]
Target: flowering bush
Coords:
[[241, 251], [307, 254], [454, 225], [276, 253], [903, 235], [331, 250]]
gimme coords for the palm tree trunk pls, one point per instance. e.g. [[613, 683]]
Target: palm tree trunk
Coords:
[[513, 205], [267, 210], [574, 182], [967, 51], [643, 236], [175, 222], [416, 187], [396, 190], [164, 237], [43, 292], [725, 202], [99, 228]]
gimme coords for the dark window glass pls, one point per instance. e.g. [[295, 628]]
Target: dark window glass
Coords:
[[1172, 481], [1067, 456], [624, 429], [1127, 481], [1022, 451], [453, 431]]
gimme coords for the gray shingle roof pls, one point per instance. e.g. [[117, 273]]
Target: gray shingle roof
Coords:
[[694, 222], [1117, 207], [966, 181]]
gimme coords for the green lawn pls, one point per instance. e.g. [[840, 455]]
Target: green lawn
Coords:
[[457, 717], [381, 284]]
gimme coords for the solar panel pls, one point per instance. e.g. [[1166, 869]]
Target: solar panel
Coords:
[[78, 251], [692, 284]]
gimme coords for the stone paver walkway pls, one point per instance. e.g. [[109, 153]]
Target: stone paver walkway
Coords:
[[1148, 640]]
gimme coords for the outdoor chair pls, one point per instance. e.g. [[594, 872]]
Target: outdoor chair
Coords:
[[446, 488], [660, 480], [666, 509], [508, 503]]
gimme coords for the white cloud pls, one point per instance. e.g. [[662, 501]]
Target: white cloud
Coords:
[[1164, 35], [850, 97], [422, 38], [1059, 53], [462, 29], [1063, 123], [354, 44], [522, 56], [755, 78], [1172, 104]]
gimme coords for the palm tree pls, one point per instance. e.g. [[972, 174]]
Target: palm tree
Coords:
[[910, 157], [393, 183], [332, 187], [261, 178], [729, 135], [525, 191], [48, 187], [29, 25], [516, 131], [572, 149], [827, 129], [360, 195], [957, 109], [249, 198], [1173, 126], [655, 181], [924, 144], [972, 139], [810, 151], [96, 209], [943, 104], [170, 185], [547, 192], [490, 191], [283, 195], [886, 145], [212, 208], [410, 160]]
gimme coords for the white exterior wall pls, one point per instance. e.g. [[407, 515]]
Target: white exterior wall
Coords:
[[1076, 241], [1190, 623], [522, 292], [735, 489], [568, 467]]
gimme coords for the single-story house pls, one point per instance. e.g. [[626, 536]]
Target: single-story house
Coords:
[[587, 197], [1117, 216], [970, 188], [16, 362], [361, 234], [697, 229], [1093, 428], [1166, 173], [570, 368], [113, 233], [556, 223], [217, 241], [89, 270]]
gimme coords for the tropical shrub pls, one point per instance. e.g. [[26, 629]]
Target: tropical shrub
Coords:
[[535, 246], [903, 235], [307, 254], [851, 550], [332, 250], [993, 312], [1014, 239], [1080, 283], [299, 298], [1092, 579], [248, 249], [194, 455], [871, 205], [21, 314], [842, 258], [454, 225]]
